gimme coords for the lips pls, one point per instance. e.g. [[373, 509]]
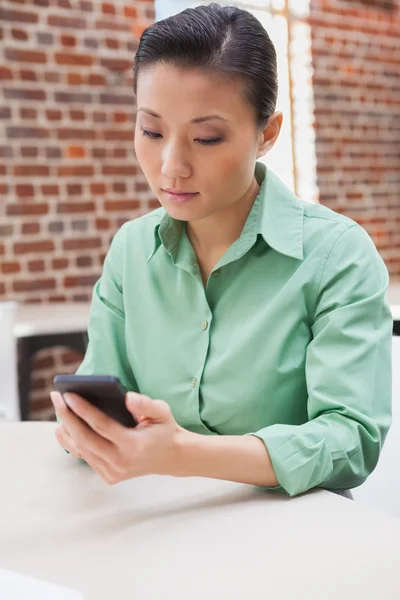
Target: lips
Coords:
[[178, 197]]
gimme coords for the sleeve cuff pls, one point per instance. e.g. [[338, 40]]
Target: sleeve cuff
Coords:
[[301, 461]]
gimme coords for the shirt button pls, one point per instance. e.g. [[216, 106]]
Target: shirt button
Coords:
[[204, 325], [215, 273], [194, 382]]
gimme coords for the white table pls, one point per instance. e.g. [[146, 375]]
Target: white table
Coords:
[[183, 539], [45, 325]]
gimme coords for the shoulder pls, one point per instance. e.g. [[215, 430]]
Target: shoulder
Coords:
[[325, 229]]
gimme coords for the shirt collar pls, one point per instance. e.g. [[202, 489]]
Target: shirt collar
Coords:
[[277, 214]]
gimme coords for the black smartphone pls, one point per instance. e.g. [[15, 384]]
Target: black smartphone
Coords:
[[103, 391]]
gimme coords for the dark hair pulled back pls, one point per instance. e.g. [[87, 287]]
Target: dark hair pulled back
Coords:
[[223, 40]]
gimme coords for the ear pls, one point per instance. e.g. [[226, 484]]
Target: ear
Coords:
[[270, 133]]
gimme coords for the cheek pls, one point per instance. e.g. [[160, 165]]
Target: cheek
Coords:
[[140, 149]]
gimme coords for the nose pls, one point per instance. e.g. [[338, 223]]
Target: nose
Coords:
[[174, 163]]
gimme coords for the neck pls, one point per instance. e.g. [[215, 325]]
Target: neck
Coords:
[[218, 231]]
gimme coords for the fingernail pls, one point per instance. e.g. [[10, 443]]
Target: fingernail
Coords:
[[135, 398]]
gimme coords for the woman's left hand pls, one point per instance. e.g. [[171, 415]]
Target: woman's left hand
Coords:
[[116, 452]]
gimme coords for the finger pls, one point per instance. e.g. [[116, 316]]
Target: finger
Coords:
[[84, 437], [107, 427], [142, 407], [66, 442]]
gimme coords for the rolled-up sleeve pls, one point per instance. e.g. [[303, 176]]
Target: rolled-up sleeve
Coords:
[[106, 353], [348, 375]]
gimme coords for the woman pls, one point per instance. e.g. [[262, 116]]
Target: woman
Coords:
[[252, 326]]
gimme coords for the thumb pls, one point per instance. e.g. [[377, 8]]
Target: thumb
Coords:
[[142, 407]]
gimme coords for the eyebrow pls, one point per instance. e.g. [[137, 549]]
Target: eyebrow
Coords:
[[197, 120]]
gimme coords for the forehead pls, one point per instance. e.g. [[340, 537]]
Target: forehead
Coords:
[[184, 93]]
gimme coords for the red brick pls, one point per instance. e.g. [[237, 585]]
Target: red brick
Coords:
[[75, 171], [75, 134], [119, 187], [24, 190], [35, 208], [19, 34], [64, 58], [43, 362], [28, 285], [30, 228], [103, 224], [35, 266], [122, 117], [116, 64], [74, 189], [60, 263], [24, 94], [28, 113], [19, 16], [53, 115], [128, 170], [31, 170], [29, 151], [5, 74], [82, 244], [119, 153], [98, 187], [57, 298], [68, 40], [111, 205], [108, 9], [71, 357], [112, 43], [27, 132], [38, 383], [10, 267], [68, 22], [130, 12], [75, 79], [119, 135], [80, 280], [50, 189], [76, 207], [29, 247], [110, 25], [84, 261], [32, 56], [96, 79], [80, 115], [75, 152]]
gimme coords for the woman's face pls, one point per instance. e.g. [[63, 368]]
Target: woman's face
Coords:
[[195, 133]]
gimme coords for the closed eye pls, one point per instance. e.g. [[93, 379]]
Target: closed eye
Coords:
[[151, 134], [209, 141], [205, 142]]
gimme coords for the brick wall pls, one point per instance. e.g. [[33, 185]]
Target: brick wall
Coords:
[[68, 173], [356, 60]]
